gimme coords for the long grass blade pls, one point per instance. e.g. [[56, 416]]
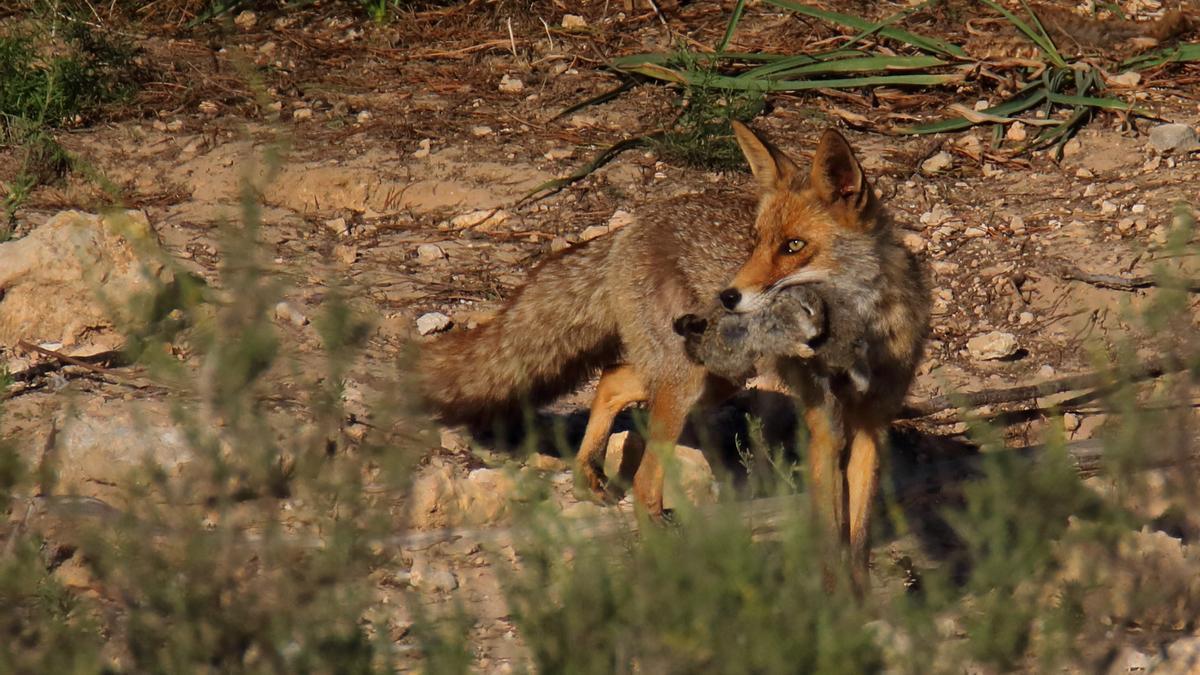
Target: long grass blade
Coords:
[[603, 97], [867, 64], [734, 18], [1189, 53], [766, 85], [928, 44], [790, 62]]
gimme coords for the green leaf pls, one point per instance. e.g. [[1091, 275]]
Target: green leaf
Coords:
[[745, 84], [1009, 107], [866, 65], [932, 45], [734, 18]]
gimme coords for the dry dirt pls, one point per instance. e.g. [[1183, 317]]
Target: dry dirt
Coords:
[[393, 136]]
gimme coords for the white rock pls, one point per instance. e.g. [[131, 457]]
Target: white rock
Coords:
[[483, 218], [573, 21], [338, 226], [431, 577], [430, 253], [993, 346], [1177, 138], [363, 116], [285, 312], [1016, 132], [620, 218], [302, 114], [1126, 80], [555, 154], [481, 131], [915, 242], [1107, 208], [939, 162], [209, 108], [1025, 318], [1017, 225], [246, 20], [511, 85], [559, 244], [593, 232], [432, 322], [422, 150]]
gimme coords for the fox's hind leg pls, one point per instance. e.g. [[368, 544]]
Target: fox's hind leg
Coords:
[[619, 386], [862, 481], [670, 403]]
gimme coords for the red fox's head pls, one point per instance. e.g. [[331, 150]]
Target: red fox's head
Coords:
[[800, 216]]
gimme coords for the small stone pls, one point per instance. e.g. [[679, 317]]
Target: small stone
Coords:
[[546, 463], [338, 226], [363, 116], [267, 48], [431, 578], [422, 150], [620, 218], [1125, 226], [451, 440], [559, 244], [1084, 173], [1071, 422], [555, 154], [982, 104], [937, 163], [300, 114], [593, 232], [573, 22], [974, 232], [1046, 372], [1107, 208], [246, 20], [175, 125], [1072, 147], [1016, 132], [285, 312], [1177, 138], [1138, 208], [209, 108], [993, 346], [483, 218], [1025, 318], [1126, 80], [481, 131], [430, 253], [511, 85], [1017, 225], [346, 253], [432, 322]]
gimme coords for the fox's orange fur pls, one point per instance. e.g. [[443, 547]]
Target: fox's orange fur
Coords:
[[610, 305]]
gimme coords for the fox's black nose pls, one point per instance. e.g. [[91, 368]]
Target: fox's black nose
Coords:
[[730, 297]]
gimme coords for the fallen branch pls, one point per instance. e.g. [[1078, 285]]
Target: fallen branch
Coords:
[[1117, 283], [1156, 368], [87, 363]]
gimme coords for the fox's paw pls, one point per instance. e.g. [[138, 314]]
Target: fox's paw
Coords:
[[592, 485]]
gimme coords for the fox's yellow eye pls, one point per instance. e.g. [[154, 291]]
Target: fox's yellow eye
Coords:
[[794, 245]]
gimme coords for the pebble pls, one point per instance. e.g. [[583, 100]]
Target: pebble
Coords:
[[1017, 225], [209, 108], [1107, 208], [1084, 173], [175, 125], [483, 218], [422, 150], [1025, 318], [993, 346], [431, 578], [285, 312], [1071, 421], [1016, 132], [554, 154], [620, 218], [1178, 138], [572, 21], [346, 253], [430, 253], [939, 162], [593, 232], [432, 322], [511, 85], [914, 241], [481, 131], [559, 244], [1126, 80], [246, 20], [1046, 372], [338, 226], [302, 114], [363, 116]]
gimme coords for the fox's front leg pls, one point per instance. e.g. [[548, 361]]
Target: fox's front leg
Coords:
[[826, 441], [619, 387]]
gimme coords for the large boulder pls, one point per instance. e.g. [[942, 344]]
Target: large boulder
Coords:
[[68, 280]]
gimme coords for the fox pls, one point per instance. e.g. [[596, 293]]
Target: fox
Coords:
[[610, 305]]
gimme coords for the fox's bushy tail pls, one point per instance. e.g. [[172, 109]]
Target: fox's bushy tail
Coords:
[[554, 331]]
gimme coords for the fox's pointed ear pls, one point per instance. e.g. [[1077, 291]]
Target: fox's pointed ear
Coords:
[[836, 176], [771, 168]]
